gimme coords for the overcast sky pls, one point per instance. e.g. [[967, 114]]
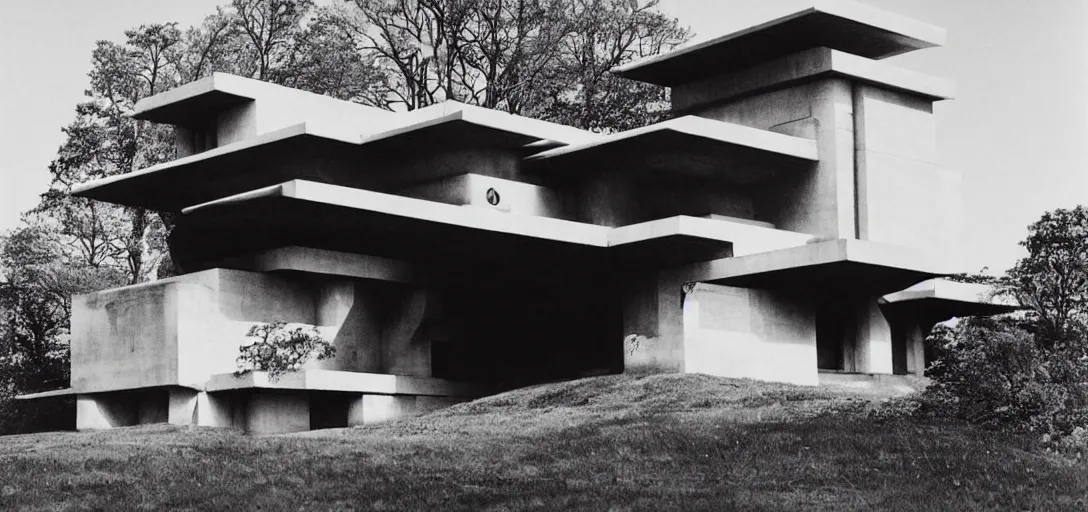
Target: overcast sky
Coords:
[[1018, 129]]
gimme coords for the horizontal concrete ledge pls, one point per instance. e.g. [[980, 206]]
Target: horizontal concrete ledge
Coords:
[[422, 210], [941, 299], [944, 289], [202, 100], [727, 134], [824, 265], [48, 394], [446, 122], [162, 186], [91, 391], [844, 25], [320, 261], [352, 382], [745, 238], [219, 90], [806, 66]]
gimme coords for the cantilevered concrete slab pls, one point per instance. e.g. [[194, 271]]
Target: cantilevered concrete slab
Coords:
[[252, 163], [199, 99], [307, 260], [308, 214], [352, 382], [938, 300], [830, 267], [839, 24], [451, 123], [334, 153], [687, 145], [808, 66], [203, 100]]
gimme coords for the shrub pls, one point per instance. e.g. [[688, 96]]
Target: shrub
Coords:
[[993, 373], [279, 348]]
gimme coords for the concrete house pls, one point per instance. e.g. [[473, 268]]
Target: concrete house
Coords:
[[786, 224]]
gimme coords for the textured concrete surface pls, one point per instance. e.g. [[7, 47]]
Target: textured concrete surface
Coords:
[[757, 234]]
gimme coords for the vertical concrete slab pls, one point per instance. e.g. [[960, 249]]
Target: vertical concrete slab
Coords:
[[182, 406], [406, 348], [916, 350], [214, 410], [873, 352], [653, 324], [371, 409], [104, 410], [269, 412], [346, 315], [903, 196], [749, 333]]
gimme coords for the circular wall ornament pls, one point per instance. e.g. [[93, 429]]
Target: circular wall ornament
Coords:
[[493, 197]]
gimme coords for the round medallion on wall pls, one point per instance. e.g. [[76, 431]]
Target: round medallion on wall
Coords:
[[493, 197]]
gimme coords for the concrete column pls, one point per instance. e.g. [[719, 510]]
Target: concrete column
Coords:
[[345, 312], [406, 347], [277, 413], [371, 409], [181, 406], [916, 350], [653, 325], [873, 349]]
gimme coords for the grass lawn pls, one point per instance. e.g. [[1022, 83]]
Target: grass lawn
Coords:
[[665, 442]]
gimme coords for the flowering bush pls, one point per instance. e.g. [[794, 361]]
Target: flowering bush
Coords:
[[279, 348]]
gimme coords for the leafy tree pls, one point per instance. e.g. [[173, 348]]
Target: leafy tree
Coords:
[[542, 58], [1053, 279]]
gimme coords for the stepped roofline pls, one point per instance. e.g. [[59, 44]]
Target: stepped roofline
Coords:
[[842, 25], [168, 186]]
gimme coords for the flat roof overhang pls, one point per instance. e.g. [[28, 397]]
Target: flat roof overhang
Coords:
[[314, 151], [335, 218], [807, 66], [198, 100], [455, 124], [232, 169], [824, 268], [839, 24], [690, 146], [941, 299]]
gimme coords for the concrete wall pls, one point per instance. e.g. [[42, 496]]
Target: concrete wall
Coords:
[[614, 199], [819, 203], [182, 330], [904, 197], [719, 330], [472, 189], [749, 333]]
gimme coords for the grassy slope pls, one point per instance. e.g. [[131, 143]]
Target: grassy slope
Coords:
[[611, 443]]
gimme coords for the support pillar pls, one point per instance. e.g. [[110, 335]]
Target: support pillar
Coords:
[[873, 349]]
